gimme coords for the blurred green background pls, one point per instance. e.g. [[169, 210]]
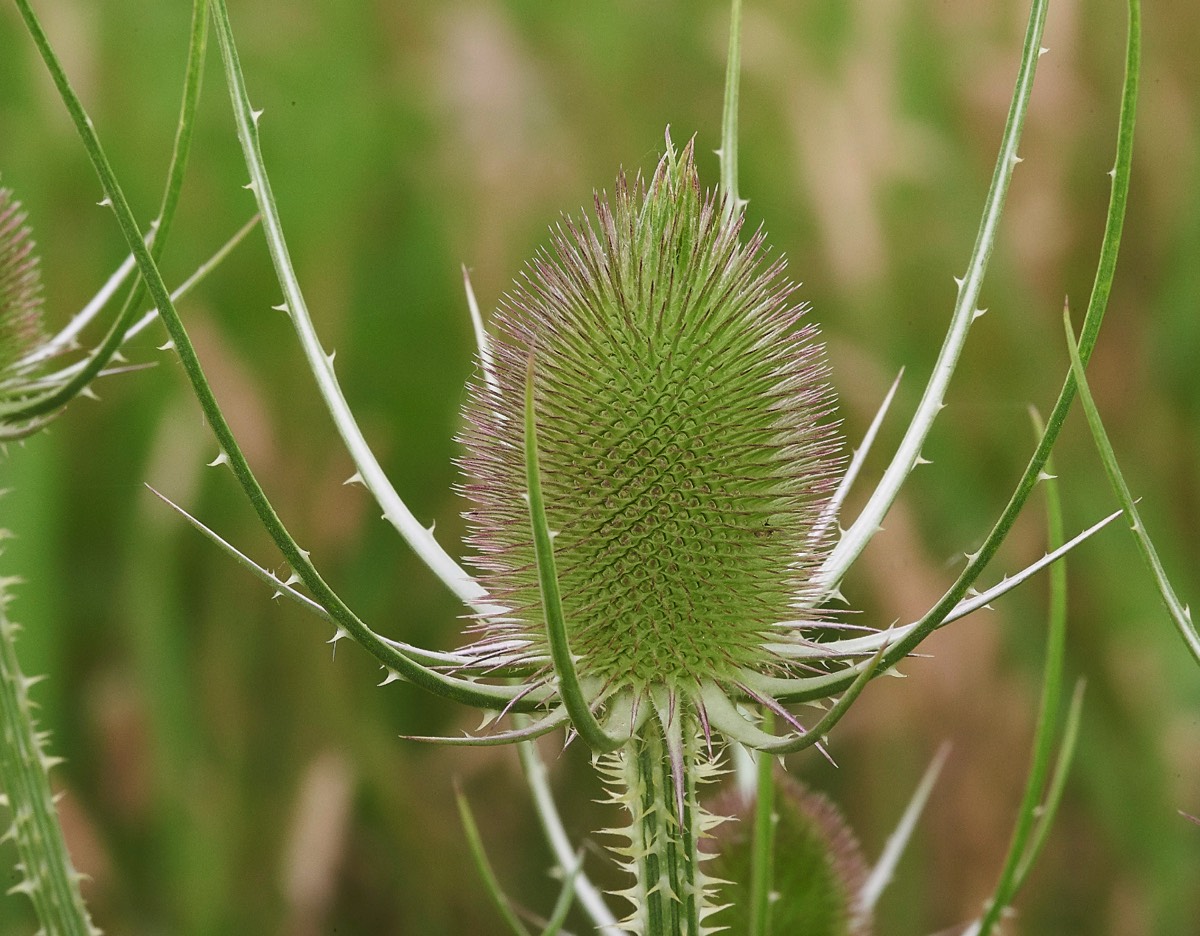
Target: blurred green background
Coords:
[[225, 775]]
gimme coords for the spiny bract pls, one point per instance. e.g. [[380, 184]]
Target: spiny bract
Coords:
[[685, 440]]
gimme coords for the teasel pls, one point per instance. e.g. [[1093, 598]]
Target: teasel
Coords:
[[654, 391], [21, 302]]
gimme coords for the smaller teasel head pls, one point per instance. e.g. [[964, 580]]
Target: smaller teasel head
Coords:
[[685, 441], [20, 287]]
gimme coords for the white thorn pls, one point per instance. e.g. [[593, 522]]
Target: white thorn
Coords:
[[282, 307], [255, 114], [1112, 173], [429, 529], [971, 557], [1042, 51], [292, 579], [1016, 159], [340, 634], [958, 281], [1044, 475], [355, 478], [978, 313], [249, 186], [105, 202], [277, 594], [221, 459], [922, 460], [88, 392], [330, 356], [168, 346], [304, 552], [391, 677]]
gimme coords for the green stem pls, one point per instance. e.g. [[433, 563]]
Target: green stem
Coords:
[[47, 874], [669, 895]]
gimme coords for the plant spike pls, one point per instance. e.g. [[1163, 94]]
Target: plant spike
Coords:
[[1180, 614], [419, 538], [881, 874], [908, 453]]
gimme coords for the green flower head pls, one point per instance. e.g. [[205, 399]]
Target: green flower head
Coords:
[[686, 443]]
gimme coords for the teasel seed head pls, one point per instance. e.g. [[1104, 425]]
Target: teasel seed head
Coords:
[[20, 284], [686, 442]]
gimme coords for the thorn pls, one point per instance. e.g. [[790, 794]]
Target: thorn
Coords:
[[355, 478], [391, 677], [105, 202], [1042, 51], [250, 187], [978, 313], [88, 392], [292, 579], [429, 529], [1014, 159], [922, 460], [168, 346], [340, 634], [221, 459], [971, 557], [1046, 476], [959, 280], [282, 307], [1112, 173], [255, 114], [330, 356], [28, 682]]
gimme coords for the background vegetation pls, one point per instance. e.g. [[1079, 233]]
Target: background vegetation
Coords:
[[225, 776]]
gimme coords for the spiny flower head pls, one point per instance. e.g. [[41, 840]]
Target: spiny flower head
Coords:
[[20, 284], [685, 443]]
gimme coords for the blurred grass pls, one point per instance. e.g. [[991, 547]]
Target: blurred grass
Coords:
[[405, 139]]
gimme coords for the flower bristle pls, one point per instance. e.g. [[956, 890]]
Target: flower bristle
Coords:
[[686, 439], [20, 284]]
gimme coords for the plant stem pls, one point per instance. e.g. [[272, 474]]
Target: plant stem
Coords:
[[670, 896], [47, 875]]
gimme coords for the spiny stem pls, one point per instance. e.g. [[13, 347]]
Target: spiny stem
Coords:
[[47, 875], [670, 894]]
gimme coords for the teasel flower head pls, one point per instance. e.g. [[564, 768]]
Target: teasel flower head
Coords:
[[686, 447], [20, 286]]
